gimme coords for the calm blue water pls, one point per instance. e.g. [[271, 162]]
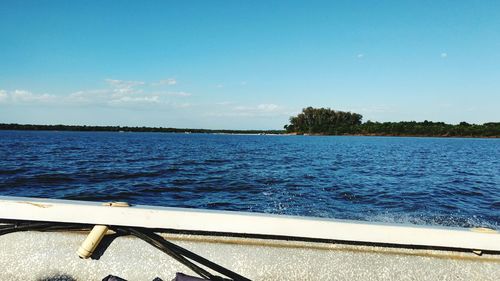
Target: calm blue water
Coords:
[[413, 180]]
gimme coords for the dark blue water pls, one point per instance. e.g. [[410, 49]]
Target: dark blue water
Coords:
[[438, 181]]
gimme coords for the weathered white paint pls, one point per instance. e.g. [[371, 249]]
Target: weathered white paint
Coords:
[[19, 208]]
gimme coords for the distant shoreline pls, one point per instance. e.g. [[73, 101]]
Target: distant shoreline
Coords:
[[84, 128], [125, 129]]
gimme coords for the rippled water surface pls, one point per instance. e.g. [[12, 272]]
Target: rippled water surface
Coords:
[[414, 180]]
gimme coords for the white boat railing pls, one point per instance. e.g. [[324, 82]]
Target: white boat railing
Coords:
[[69, 211]]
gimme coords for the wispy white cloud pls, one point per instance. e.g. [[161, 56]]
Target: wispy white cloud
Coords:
[[135, 100], [373, 109], [179, 94], [89, 96], [118, 93], [23, 96], [219, 86], [444, 55], [224, 103], [3, 96], [360, 56], [182, 105], [264, 107], [168, 81], [122, 88], [268, 107], [123, 84], [260, 110]]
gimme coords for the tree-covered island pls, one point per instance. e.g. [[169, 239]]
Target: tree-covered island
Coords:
[[325, 121]]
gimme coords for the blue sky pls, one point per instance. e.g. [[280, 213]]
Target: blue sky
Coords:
[[247, 64]]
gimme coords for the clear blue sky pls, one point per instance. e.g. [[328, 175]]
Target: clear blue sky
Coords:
[[247, 64]]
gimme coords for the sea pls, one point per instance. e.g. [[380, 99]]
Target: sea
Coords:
[[424, 181]]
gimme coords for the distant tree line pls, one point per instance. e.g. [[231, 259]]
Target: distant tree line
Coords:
[[325, 121], [128, 129], [314, 121]]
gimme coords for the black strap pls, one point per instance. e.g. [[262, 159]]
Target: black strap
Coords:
[[176, 251]]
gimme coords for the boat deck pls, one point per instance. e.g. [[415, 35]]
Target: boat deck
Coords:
[[52, 256]]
